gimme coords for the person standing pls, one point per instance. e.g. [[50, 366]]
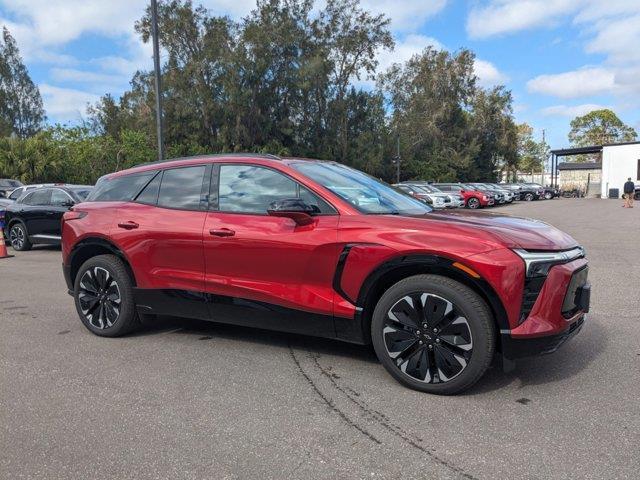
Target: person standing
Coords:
[[629, 188]]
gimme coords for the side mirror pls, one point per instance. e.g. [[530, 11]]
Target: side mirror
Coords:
[[293, 208]]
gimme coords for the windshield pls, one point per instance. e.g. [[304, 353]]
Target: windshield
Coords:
[[82, 193], [365, 193], [428, 188]]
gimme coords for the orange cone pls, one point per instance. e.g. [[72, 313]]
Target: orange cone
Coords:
[[3, 247]]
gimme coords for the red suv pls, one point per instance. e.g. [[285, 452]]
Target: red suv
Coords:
[[318, 248], [473, 197]]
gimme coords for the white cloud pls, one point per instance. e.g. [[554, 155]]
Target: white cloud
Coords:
[[406, 15], [507, 16], [406, 48], [574, 84], [83, 76], [487, 73], [66, 104], [571, 111]]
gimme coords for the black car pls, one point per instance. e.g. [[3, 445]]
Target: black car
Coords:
[[8, 185], [528, 192], [35, 217], [548, 193]]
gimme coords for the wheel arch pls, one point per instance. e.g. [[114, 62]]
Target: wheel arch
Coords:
[[394, 270], [91, 247]]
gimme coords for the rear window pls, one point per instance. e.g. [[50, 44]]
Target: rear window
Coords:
[[119, 189], [38, 197]]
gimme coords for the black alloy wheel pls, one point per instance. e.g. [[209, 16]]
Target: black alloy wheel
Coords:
[[528, 197], [99, 297], [433, 334], [19, 238], [548, 195], [428, 338], [103, 294], [473, 203]]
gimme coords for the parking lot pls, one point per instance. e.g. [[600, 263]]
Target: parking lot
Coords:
[[187, 399]]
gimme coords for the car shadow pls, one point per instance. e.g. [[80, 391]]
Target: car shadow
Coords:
[[206, 330], [569, 360]]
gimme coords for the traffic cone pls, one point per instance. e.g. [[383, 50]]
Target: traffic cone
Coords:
[[3, 247]]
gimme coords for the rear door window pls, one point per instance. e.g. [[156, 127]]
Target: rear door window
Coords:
[[149, 194], [38, 197], [182, 188]]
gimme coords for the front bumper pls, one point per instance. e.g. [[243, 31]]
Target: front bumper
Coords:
[[557, 314]]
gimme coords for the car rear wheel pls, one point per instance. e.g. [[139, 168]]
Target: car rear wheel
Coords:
[[104, 297], [19, 238], [433, 334], [528, 197], [473, 203]]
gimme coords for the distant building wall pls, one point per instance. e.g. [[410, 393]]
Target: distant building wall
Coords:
[[619, 162], [570, 179]]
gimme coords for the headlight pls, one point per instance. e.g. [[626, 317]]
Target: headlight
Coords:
[[537, 264]]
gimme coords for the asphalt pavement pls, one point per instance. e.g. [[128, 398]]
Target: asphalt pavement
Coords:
[[196, 400]]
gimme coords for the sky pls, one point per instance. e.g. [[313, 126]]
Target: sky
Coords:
[[559, 58]]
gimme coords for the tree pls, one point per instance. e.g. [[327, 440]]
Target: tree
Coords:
[[532, 154], [599, 127], [21, 110]]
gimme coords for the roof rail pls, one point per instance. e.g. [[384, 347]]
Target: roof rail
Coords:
[[248, 155]]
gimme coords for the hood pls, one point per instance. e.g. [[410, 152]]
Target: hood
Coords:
[[513, 232]]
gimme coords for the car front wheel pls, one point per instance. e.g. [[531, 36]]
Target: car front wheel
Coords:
[[19, 238], [104, 297], [473, 203], [433, 334], [528, 197]]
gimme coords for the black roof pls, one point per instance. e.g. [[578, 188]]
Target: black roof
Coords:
[[565, 152], [580, 166]]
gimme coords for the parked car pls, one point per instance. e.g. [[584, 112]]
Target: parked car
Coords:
[[529, 193], [35, 217], [472, 198], [8, 185], [501, 195], [317, 247], [452, 200], [547, 193], [636, 195], [436, 201]]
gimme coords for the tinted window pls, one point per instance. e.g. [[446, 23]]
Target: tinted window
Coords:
[[120, 188], [251, 189], [311, 198], [150, 193], [38, 197], [16, 193], [59, 198], [182, 188]]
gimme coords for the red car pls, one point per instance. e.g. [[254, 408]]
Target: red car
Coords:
[[318, 248], [473, 197]]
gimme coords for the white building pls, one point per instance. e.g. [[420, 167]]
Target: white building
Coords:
[[619, 162]]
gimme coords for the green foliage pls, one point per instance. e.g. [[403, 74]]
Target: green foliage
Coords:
[[599, 127], [21, 111], [283, 80], [532, 154]]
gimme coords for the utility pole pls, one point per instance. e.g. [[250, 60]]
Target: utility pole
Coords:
[[398, 161], [156, 67]]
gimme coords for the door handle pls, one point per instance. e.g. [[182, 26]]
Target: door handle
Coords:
[[128, 225], [222, 232]]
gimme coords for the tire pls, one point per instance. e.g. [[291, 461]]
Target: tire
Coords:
[[19, 237], [447, 361], [548, 195], [104, 302], [528, 197], [473, 203]]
